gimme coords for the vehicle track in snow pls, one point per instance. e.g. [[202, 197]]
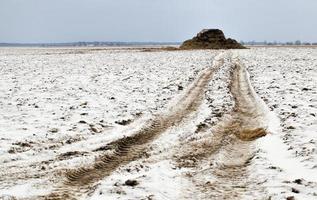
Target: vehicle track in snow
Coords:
[[220, 157], [79, 181]]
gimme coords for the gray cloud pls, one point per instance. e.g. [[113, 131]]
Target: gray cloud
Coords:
[[155, 20]]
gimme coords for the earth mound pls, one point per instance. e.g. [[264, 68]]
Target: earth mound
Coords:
[[211, 39]]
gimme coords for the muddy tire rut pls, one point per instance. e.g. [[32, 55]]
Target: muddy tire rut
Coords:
[[220, 158], [79, 181]]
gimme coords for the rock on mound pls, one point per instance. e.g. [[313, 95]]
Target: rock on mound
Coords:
[[211, 39]]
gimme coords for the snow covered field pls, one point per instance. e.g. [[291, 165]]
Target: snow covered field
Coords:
[[124, 123]]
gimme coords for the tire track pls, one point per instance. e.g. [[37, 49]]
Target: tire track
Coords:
[[79, 181], [225, 154]]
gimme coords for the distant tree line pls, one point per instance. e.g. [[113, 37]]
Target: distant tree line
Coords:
[[297, 42], [85, 44]]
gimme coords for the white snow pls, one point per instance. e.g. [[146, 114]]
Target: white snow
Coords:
[[44, 89]]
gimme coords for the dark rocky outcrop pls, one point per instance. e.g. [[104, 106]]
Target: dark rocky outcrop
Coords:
[[211, 39]]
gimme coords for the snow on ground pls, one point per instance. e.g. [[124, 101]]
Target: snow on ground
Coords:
[[58, 106], [286, 79]]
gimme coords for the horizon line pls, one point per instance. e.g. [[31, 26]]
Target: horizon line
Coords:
[[121, 43]]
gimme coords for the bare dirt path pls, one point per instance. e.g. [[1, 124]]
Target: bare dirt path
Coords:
[[120, 152], [219, 159]]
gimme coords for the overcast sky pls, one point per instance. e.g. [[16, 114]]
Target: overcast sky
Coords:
[[155, 20]]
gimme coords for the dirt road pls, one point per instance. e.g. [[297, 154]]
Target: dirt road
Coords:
[[226, 150]]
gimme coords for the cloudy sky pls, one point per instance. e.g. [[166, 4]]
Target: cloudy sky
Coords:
[[155, 20]]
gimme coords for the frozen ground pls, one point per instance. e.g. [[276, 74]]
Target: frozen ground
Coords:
[[286, 79], [64, 109]]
